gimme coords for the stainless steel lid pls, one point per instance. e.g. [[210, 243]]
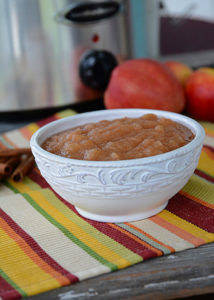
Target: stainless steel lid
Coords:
[[41, 48]]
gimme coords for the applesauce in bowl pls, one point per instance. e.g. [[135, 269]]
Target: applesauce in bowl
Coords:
[[121, 190], [120, 139]]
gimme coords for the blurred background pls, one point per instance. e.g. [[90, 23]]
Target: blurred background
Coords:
[[60, 52]]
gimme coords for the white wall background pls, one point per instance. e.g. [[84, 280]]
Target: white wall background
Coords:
[[197, 9]]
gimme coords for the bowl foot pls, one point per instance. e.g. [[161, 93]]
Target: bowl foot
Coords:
[[118, 219]]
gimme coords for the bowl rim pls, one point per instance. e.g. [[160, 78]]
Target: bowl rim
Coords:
[[193, 124]]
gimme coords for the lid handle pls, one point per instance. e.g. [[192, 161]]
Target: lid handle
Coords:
[[92, 11]]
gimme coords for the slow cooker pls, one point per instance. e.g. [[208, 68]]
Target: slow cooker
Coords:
[[58, 52]]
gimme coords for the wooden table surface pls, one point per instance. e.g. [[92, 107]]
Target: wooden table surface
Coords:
[[189, 273], [180, 275]]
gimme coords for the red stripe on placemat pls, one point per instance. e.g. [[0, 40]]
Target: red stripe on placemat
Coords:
[[123, 239], [204, 175], [209, 147], [35, 176], [117, 235], [37, 249], [46, 120], [209, 151], [7, 291], [192, 212]]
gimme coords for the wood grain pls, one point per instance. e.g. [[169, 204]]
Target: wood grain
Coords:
[[176, 276]]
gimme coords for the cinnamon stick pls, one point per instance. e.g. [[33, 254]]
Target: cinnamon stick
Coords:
[[14, 152], [25, 165], [5, 169], [14, 161], [3, 159], [8, 164], [3, 166]]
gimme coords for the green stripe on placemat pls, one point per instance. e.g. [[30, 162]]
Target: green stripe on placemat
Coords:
[[46, 244]]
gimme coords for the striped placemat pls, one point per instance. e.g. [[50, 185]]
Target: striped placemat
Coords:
[[45, 244]]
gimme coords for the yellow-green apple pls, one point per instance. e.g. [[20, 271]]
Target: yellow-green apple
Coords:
[[144, 83], [200, 94], [180, 70]]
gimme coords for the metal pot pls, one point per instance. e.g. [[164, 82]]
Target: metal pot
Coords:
[[47, 50]]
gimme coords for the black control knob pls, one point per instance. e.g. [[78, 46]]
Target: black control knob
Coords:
[[95, 68]]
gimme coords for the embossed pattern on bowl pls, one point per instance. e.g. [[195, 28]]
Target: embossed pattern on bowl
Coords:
[[118, 191]]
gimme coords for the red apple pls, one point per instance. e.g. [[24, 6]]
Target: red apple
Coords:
[[144, 83], [180, 70], [200, 94]]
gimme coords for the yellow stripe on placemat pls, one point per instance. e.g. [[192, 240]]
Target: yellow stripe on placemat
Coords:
[[26, 133], [65, 113], [163, 235], [183, 224], [22, 270], [33, 127], [206, 163], [176, 230], [54, 242], [32, 254], [104, 239], [77, 231], [22, 187], [201, 190], [36, 221], [209, 127]]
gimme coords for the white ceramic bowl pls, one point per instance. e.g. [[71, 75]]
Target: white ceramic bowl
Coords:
[[118, 191]]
